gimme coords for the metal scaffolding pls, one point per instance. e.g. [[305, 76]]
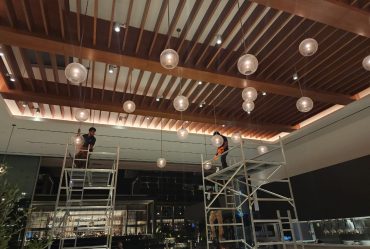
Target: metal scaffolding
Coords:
[[78, 212], [238, 191]]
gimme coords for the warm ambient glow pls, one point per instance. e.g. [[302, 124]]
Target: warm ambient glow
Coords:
[[304, 104], [236, 138], [181, 103], [207, 165], [129, 106], [366, 63], [75, 72], [249, 93], [182, 133], [77, 139], [308, 47], [247, 64], [82, 115], [161, 162], [217, 140], [262, 149], [3, 169], [248, 106], [169, 58]]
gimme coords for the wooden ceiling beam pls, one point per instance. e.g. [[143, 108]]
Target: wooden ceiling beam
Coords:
[[328, 12], [107, 105], [20, 39]]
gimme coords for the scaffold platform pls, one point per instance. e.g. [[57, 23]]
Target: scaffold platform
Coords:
[[234, 195]]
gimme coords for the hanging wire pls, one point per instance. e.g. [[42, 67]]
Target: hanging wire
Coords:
[[83, 29], [242, 43], [7, 146], [168, 22], [161, 139], [214, 115]]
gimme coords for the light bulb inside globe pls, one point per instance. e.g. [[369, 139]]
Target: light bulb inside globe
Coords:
[[161, 162], [182, 133], [236, 138], [3, 169], [82, 115], [248, 106], [207, 165], [366, 63], [77, 139], [304, 104], [247, 64], [308, 47], [181, 103], [75, 72], [217, 140], [129, 106], [262, 149], [169, 58], [249, 93]]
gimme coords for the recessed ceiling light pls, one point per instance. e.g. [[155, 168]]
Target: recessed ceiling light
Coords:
[[223, 125], [12, 78], [218, 39], [295, 76], [200, 82], [117, 27], [147, 118], [264, 93], [24, 104], [111, 68], [1, 54], [158, 99]]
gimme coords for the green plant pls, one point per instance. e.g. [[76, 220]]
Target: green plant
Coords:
[[12, 217]]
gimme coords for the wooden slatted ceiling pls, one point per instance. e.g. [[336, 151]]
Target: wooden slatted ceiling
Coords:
[[272, 35]]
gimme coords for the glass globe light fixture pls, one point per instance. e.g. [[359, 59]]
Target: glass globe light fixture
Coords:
[[161, 162], [182, 133], [169, 58], [247, 64], [366, 63], [181, 103], [304, 104], [207, 165], [129, 106], [262, 149], [248, 106], [308, 47], [249, 93], [236, 138], [77, 139], [75, 72], [82, 115], [3, 168], [217, 140]]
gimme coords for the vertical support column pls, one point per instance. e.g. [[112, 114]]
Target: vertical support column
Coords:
[[250, 204], [205, 203]]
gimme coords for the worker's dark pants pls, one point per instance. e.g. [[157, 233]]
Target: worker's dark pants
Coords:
[[223, 160]]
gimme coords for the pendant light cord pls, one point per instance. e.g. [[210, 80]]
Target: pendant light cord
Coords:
[[161, 138], [7, 146], [83, 28], [168, 22], [242, 43]]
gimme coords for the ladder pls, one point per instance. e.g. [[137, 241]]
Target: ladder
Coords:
[[86, 198]]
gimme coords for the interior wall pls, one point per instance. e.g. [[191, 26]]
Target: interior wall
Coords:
[[339, 191]]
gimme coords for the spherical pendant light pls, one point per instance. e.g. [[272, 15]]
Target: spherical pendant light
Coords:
[[304, 104], [247, 64], [236, 138], [169, 58], [262, 149], [161, 162], [308, 47], [82, 115], [217, 140], [3, 168], [366, 63], [249, 93], [207, 165], [248, 106], [75, 72], [181, 103], [129, 106], [182, 133], [77, 139]]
